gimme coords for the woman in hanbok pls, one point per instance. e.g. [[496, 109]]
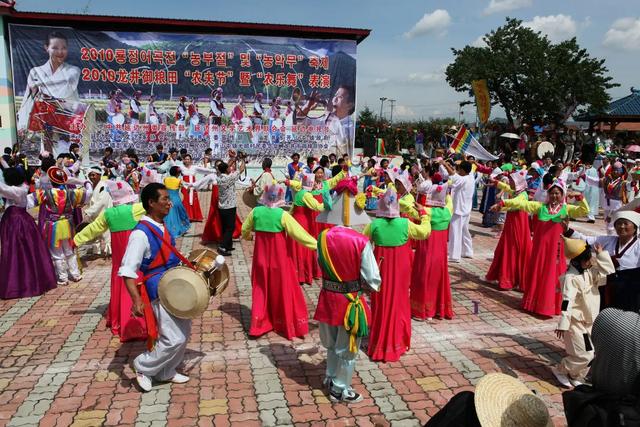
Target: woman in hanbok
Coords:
[[119, 221], [177, 221], [430, 284], [390, 335], [190, 198], [277, 301], [543, 295], [513, 252], [25, 262]]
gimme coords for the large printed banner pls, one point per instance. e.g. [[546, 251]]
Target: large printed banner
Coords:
[[261, 95]]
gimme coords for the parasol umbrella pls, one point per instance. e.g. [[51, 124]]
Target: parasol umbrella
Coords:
[[544, 148], [510, 135], [633, 148]]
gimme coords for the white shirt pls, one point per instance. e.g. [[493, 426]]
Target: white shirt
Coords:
[[61, 84], [257, 107], [16, 196], [218, 112], [631, 257], [462, 190], [134, 106], [138, 248], [100, 200]]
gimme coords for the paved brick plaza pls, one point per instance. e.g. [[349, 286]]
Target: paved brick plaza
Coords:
[[59, 364]]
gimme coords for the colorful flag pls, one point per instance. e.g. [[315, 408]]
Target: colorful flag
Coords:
[[483, 101], [465, 143], [380, 150]]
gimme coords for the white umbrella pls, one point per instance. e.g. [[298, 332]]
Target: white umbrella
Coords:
[[510, 135]]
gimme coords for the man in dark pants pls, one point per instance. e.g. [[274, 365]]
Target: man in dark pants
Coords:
[[227, 201]]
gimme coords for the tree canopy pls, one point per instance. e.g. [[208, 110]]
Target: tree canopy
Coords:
[[530, 77]]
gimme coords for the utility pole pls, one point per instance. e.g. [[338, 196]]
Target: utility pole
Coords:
[[392, 101], [382, 99]]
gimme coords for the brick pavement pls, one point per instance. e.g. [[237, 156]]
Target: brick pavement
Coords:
[[60, 366]]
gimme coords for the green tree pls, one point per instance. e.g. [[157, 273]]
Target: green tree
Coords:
[[531, 78]]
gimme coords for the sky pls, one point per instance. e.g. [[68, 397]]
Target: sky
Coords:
[[410, 44]]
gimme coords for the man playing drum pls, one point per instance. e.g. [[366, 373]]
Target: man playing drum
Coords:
[[152, 250]]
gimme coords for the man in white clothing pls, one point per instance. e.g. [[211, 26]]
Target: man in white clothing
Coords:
[[462, 189]]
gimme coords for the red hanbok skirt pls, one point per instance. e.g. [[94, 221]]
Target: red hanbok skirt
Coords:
[[512, 255], [390, 332], [213, 229], [119, 317], [277, 301], [543, 293], [193, 209], [430, 285], [305, 260]]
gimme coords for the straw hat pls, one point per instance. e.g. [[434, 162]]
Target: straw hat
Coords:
[[573, 247], [503, 401]]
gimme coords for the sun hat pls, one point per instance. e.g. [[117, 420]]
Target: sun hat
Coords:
[[388, 206], [503, 401], [272, 196], [121, 192], [559, 183], [632, 216], [307, 180], [57, 175], [403, 177], [519, 180], [573, 247]]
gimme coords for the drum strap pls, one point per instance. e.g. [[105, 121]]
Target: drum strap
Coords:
[[168, 244]]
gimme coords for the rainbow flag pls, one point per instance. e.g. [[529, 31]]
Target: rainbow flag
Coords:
[[465, 143]]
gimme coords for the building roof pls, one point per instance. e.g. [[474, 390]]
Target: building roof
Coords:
[[98, 22], [627, 106], [625, 109]]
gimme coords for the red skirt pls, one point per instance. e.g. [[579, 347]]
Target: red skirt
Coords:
[[277, 301], [119, 316], [305, 259], [212, 229], [390, 332], [543, 293], [430, 285], [193, 209], [512, 253]]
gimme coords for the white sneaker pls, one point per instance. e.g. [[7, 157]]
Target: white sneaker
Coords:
[[562, 378], [143, 381], [179, 379]]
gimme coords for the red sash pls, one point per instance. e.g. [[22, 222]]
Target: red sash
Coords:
[[161, 258]]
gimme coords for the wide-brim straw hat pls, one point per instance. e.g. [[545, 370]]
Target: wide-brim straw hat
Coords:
[[503, 401]]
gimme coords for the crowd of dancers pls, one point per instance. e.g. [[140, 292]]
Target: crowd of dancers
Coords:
[[373, 233]]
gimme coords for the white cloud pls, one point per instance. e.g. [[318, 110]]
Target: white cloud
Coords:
[[402, 111], [425, 78], [380, 81], [479, 42], [497, 6], [556, 27], [624, 34], [435, 22]]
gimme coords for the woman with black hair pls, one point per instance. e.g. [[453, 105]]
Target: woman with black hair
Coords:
[[27, 269], [177, 221]]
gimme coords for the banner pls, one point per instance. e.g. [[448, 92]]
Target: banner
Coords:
[[483, 101], [266, 96], [465, 143]]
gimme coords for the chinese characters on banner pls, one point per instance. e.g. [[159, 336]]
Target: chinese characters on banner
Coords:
[[261, 95]]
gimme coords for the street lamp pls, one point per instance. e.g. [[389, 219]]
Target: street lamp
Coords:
[[382, 99]]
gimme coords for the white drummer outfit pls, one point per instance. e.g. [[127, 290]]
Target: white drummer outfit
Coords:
[[146, 253]]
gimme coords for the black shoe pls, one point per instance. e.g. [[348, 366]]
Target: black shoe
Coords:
[[231, 249], [345, 397], [592, 221], [224, 252]]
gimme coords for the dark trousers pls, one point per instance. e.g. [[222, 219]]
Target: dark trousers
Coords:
[[228, 225]]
